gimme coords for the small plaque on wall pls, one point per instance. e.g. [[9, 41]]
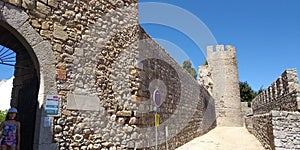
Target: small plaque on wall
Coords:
[[83, 102], [47, 121], [52, 104]]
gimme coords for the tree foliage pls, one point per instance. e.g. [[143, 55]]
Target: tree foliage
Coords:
[[246, 92], [2, 115], [260, 90], [187, 65]]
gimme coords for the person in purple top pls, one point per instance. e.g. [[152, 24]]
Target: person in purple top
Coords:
[[10, 134]]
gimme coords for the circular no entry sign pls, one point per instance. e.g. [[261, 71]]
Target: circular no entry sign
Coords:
[[157, 98]]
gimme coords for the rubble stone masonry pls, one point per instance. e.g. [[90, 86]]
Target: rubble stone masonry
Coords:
[[105, 68], [281, 95], [275, 120]]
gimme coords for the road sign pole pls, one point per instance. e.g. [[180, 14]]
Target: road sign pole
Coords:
[[156, 132], [157, 101], [167, 134]]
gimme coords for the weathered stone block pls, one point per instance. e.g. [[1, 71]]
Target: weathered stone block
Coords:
[[280, 134], [14, 2], [83, 102], [59, 32], [44, 51], [42, 8], [32, 37], [61, 66], [29, 4], [46, 33], [35, 23], [45, 25], [124, 113], [61, 74], [53, 3], [13, 16], [136, 98]]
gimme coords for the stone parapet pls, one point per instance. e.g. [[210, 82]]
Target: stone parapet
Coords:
[[283, 94], [276, 118]]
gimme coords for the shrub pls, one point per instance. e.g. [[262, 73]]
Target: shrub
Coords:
[[2, 115]]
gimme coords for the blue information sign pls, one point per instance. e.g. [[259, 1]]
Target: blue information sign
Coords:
[[157, 98], [52, 103]]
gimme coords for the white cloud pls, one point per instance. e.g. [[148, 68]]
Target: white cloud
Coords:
[[5, 92]]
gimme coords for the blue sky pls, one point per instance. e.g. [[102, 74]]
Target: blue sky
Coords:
[[6, 71], [265, 33]]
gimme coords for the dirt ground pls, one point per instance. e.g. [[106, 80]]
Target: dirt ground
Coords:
[[224, 138]]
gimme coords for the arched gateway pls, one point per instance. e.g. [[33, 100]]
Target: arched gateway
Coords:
[[34, 73]]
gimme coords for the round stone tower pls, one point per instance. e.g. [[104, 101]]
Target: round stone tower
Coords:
[[220, 76]]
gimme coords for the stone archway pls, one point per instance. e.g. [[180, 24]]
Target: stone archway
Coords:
[[25, 89], [35, 75]]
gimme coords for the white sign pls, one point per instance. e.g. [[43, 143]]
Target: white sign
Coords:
[[47, 121], [52, 104]]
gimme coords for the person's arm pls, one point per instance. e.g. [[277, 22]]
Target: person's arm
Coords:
[[19, 136], [1, 125], [1, 128]]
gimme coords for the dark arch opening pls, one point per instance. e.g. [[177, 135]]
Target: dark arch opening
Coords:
[[25, 85]]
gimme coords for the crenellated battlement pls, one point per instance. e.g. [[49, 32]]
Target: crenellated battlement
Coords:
[[220, 48], [221, 51], [280, 95], [276, 113]]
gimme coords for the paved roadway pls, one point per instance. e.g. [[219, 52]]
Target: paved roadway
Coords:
[[224, 138]]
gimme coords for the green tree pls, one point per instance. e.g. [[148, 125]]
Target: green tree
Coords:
[[2, 115], [187, 65], [261, 89], [246, 92]]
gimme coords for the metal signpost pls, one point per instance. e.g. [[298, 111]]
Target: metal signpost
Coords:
[[157, 101], [167, 134]]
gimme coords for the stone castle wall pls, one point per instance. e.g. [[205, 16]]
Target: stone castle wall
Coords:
[[281, 95], [262, 129], [187, 113], [276, 130], [286, 129], [276, 116], [220, 77], [246, 110], [106, 70]]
